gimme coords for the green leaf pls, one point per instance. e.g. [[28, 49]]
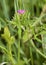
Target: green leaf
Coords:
[[9, 39], [26, 36], [0, 25], [20, 62]]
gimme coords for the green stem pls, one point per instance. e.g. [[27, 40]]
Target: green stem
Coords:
[[38, 20], [37, 55], [32, 9], [37, 8], [20, 3], [5, 8], [37, 49], [19, 36], [31, 56], [19, 50], [10, 54], [44, 43], [15, 5]]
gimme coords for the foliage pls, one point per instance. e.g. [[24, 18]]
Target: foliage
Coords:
[[23, 36]]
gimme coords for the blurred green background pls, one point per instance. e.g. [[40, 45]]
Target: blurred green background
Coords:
[[8, 9]]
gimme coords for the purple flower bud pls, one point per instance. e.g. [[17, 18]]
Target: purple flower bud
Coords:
[[21, 11]]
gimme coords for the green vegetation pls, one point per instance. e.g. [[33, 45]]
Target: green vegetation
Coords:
[[23, 34]]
